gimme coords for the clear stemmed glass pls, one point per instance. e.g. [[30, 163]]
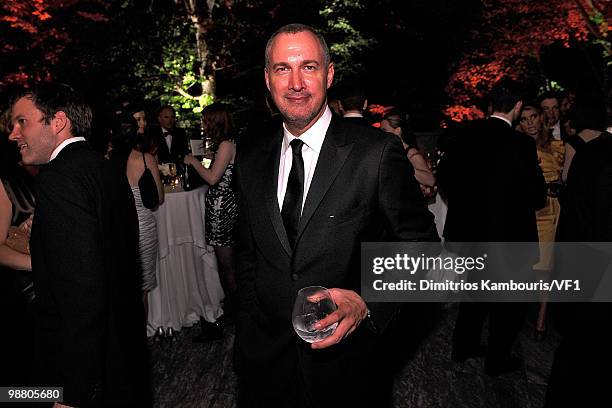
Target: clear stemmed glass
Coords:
[[312, 304]]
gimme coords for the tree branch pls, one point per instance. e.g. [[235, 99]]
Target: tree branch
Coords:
[[183, 93], [587, 19]]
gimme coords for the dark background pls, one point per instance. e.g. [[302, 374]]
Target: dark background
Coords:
[[418, 44]]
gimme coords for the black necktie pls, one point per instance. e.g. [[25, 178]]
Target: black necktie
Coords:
[[292, 203]]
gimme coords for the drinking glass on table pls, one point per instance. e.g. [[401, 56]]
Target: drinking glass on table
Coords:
[[313, 303]]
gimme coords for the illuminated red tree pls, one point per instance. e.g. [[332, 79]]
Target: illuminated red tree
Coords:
[[511, 40], [36, 34]]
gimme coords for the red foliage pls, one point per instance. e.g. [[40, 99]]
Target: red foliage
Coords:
[[378, 110], [99, 17], [458, 113], [511, 38], [39, 31]]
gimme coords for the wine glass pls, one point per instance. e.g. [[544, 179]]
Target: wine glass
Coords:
[[312, 304]]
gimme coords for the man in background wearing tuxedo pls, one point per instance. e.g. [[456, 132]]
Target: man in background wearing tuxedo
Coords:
[[493, 185], [586, 335], [309, 193], [90, 334], [171, 141], [353, 102]]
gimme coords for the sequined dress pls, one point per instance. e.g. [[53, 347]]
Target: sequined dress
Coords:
[[147, 242], [221, 211]]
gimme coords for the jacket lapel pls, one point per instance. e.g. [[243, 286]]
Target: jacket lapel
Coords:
[[271, 173], [336, 148]]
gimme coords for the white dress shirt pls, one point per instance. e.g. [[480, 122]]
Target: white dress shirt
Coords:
[[313, 140], [353, 115], [168, 137], [556, 130], [65, 143], [502, 118]]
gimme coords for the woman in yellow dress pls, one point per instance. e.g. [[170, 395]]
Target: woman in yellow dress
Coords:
[[551, 154]]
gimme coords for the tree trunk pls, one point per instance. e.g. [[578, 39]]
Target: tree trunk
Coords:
[[200, 14], [207, 80]]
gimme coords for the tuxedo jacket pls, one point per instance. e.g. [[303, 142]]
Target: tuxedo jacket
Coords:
[[178, 147], [90, 334], [363, 189], [586, 216], [493, 184], [357, 120], [587, 199]]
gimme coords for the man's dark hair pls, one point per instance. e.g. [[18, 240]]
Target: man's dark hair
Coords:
[[587, 115], [352, 96], [295, 29], [549, 95], [51, 98], [165, 107], [505, 95]]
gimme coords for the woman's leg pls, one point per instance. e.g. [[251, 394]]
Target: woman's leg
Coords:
[[225, 262], [540, 326]]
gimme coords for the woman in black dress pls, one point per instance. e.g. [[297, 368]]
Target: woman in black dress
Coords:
[[221, 209]]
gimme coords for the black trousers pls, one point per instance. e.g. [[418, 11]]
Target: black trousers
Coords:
[[579, 373], [505, 323], [350, 374]]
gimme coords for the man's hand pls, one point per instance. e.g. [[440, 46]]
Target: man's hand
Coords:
[[350, 313], [58, 405]]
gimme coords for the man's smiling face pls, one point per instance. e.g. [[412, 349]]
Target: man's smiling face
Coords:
[[298, 77], [35, 138]]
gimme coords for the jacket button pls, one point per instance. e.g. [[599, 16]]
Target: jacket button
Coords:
[[295, 276]]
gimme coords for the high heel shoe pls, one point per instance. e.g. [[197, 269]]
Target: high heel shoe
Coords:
[[170, 334], [160, 334]]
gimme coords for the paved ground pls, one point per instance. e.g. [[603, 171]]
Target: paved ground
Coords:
[[201, 375]]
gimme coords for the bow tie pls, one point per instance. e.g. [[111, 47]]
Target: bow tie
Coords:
[[167, 134]]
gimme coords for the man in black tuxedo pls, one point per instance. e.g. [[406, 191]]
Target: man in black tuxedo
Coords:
[[353, 102], [493, 185], [171, 141], [90, 335], [586, 335], [309, 194]]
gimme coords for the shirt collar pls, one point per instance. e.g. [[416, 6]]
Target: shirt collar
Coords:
[[353, 115], [313, 137], [500, 118], [65, 143]]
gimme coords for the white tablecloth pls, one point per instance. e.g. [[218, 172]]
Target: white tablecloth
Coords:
[[188, 283], [438, 209]]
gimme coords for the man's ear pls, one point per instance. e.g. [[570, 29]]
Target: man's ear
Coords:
[[330, 74], [60, 122]]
